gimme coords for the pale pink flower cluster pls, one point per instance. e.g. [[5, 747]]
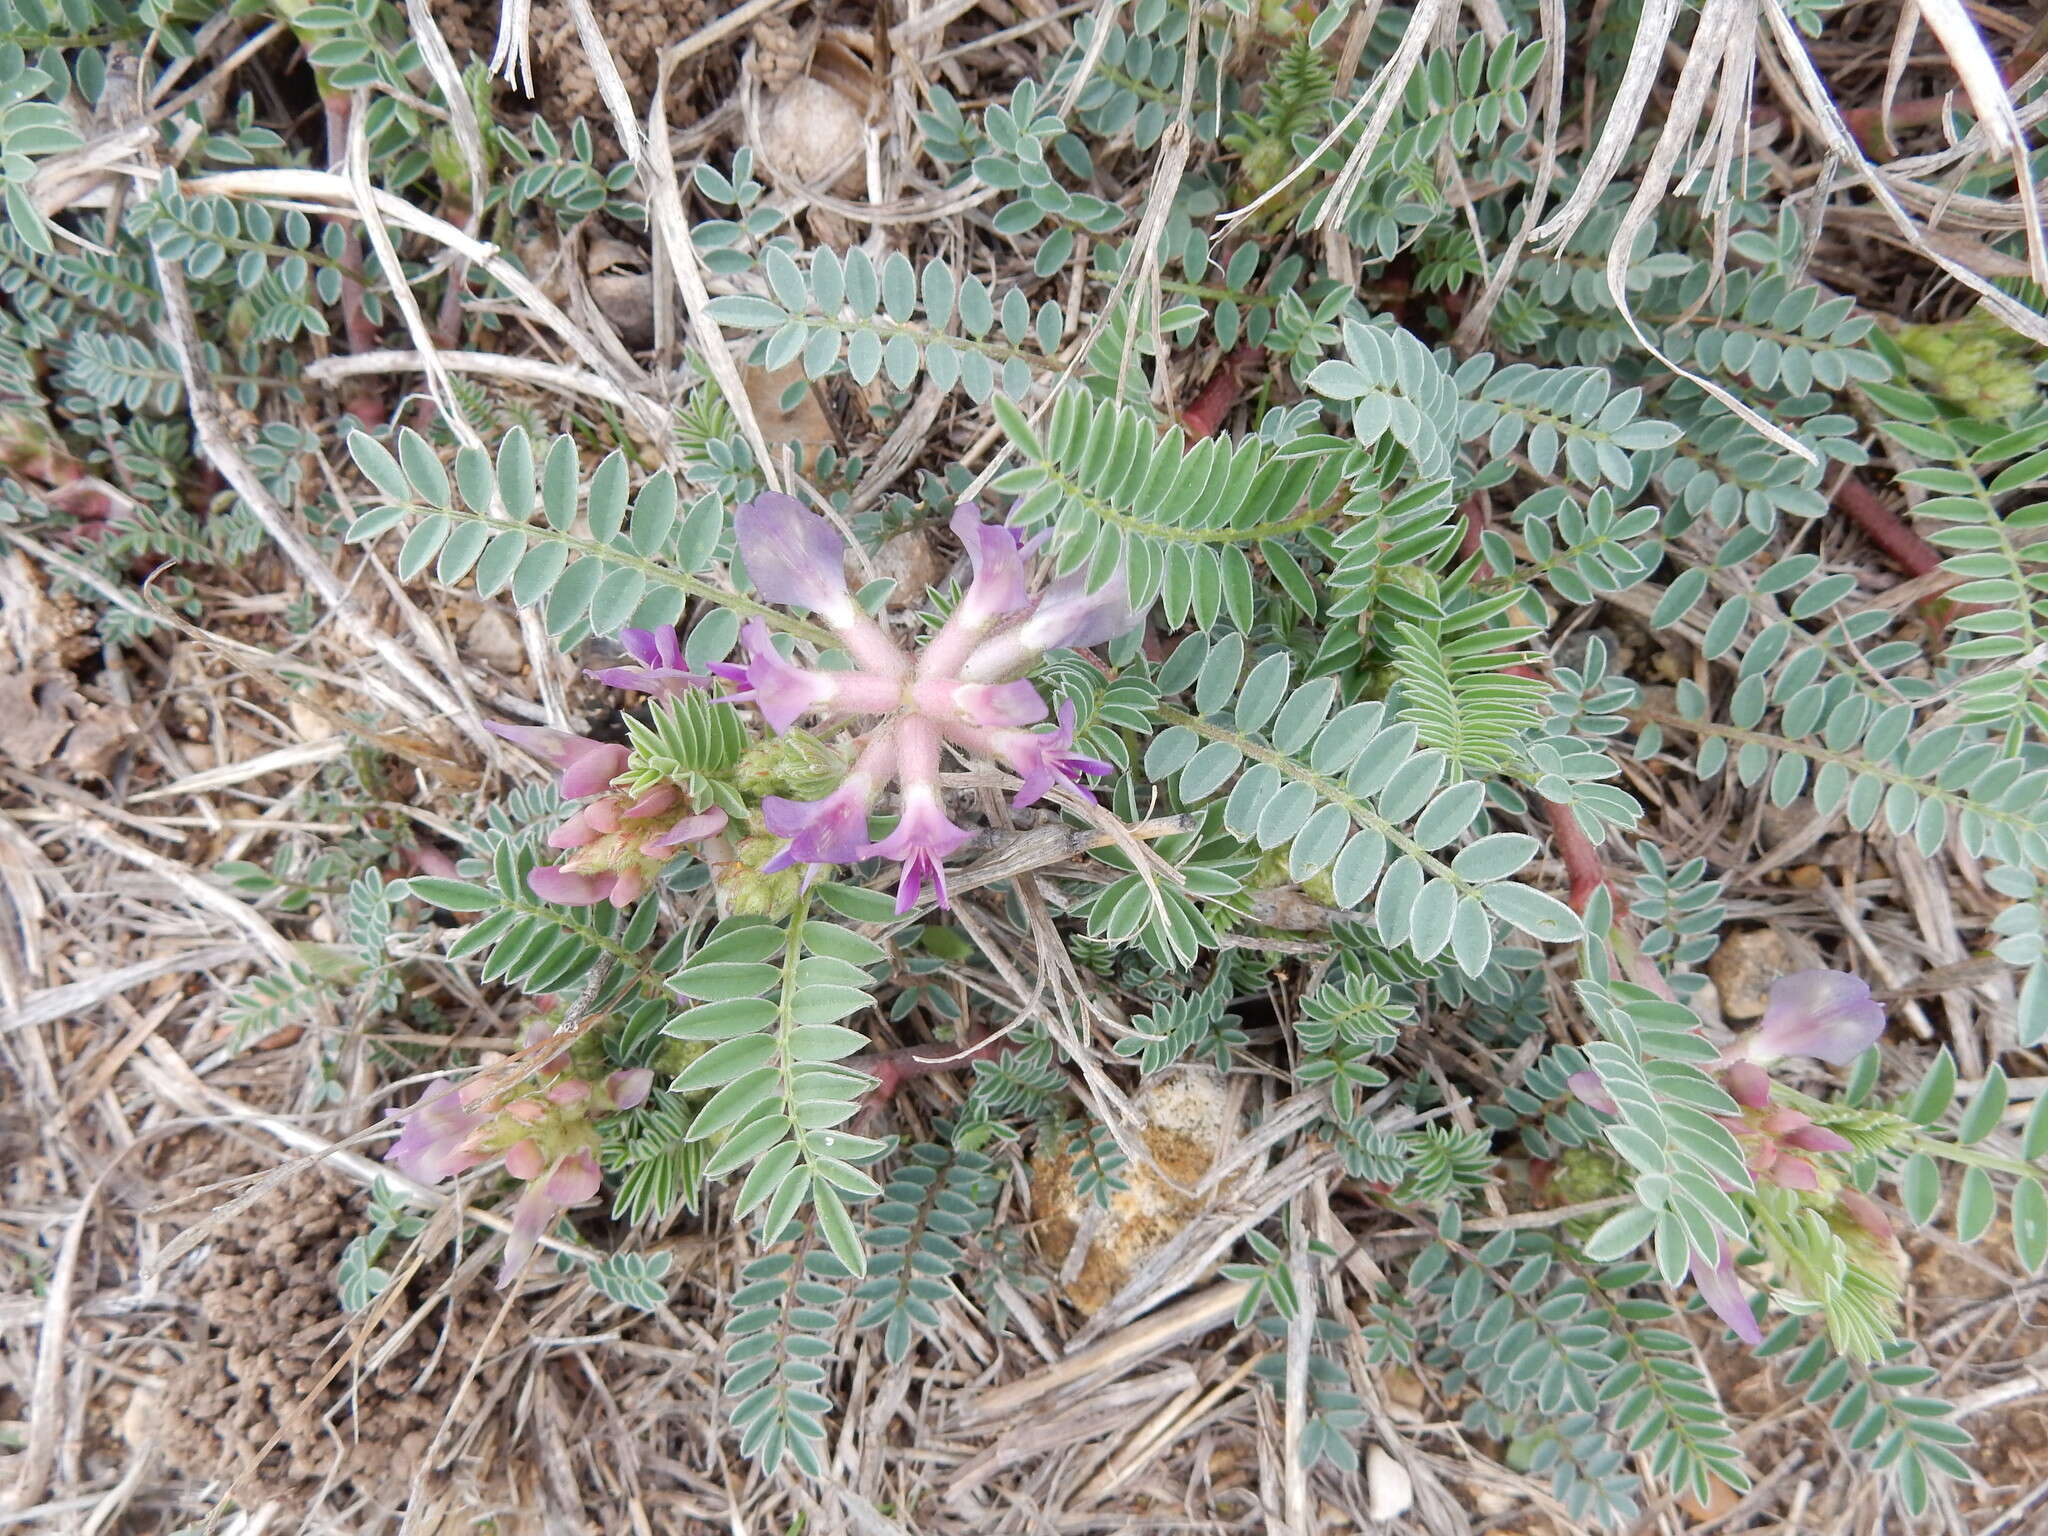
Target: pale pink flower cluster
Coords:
[[1828, 1015], [546, 1135]]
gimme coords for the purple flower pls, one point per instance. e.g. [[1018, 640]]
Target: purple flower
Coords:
[[997, 556], [1829, 1015], [572, 1181], [661, 670], [1069, 616], [1043, 759], [922, 841], [783, 691], [795, 557], [1592, 1092], [436, 1141], [831, 830], [998, 590], [1716, 1281], [586, 767]]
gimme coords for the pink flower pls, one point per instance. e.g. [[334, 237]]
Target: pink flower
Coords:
[[1816, 1138], [1592, 1092], [1829, 1015], [1067, 615], [997, 555], [567, 888], [947, 702], [661, 670], [923, 840], [998, 590], [1748, 1085], [586, 767], [1865, 1212], [1716, 1282], [1070, 616], [688, 829], [437, 1141], [783, 691], [795, 557], [548, 1193], [629, 1087], [1043, 759], [618, 847]]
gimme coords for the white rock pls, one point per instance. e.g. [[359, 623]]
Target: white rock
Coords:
[[1389, 1491]]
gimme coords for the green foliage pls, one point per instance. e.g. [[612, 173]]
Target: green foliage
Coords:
[[846, 314], [938, 1199], [1409, 598], [360, 1279], [777, 1089], [631, 1279], [1193, 1025]]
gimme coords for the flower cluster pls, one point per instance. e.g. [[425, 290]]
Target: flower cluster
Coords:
[[965, 688], [618, 841], [545, 1132], [1827, 1015]]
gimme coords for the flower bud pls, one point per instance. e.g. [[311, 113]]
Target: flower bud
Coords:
[[629, 1087], [1590, 1091], [525, 1160]]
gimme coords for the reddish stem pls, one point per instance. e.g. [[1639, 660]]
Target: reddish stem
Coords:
[[1205, 414], [892, 1069], [1886, 529]]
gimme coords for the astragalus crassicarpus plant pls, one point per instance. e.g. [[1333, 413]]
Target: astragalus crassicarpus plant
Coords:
[[1325, 533]]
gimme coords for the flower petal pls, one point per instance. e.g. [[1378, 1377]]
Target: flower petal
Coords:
[[1590, 1091], [1070, 616], [1829, 1015], [553, 883], [1718, 1284], [533, 1215], [795, 557], [1748, 1085]]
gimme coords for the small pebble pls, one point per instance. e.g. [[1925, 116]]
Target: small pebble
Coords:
[[1390, 1492], [1744, 967]]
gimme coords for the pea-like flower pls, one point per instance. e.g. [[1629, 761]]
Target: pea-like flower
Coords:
[[1718, 1285], [585, 767], [544, 1132], [924, 838], [1046, 759], [440, 1136], [658, 670], [1829, 1015], [550, 1190], [834, 828], [965, 687], [619, 842]]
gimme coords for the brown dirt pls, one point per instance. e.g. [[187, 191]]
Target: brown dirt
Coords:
[[257, 1403]]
